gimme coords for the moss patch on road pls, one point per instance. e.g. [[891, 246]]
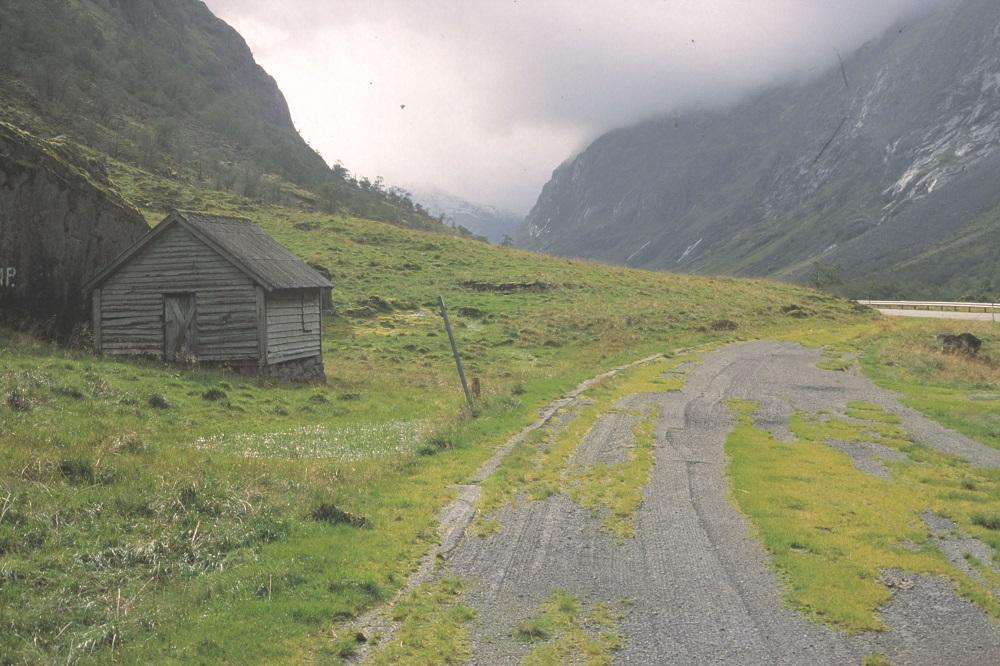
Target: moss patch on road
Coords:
[[541, 465], [568, 631], [433, 629], [832, 529], [616, 489]]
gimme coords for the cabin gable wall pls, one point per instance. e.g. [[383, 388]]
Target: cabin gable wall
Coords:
[[131, 319]]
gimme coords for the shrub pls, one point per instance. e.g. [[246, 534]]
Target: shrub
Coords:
[[327, 512], [435, 444], [159, 401], [18, 401], [76, 470], [214, 395], [724, 325], [990, 521], [128, 443]]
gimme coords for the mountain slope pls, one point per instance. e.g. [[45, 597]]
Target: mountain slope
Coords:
[[879, 166], [166, 85]]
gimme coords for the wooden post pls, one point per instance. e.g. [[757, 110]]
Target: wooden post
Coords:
[[454, 350]]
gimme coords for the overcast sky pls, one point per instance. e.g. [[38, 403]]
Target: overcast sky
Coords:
[[484, 98]]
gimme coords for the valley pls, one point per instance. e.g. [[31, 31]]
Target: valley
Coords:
[[684, 443]]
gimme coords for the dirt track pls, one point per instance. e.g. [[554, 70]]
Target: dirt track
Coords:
[[701, 587]]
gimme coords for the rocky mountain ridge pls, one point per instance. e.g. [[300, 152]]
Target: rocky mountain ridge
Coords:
[[879, 176]]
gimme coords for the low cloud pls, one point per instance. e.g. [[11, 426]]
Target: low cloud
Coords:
[[485, 98]]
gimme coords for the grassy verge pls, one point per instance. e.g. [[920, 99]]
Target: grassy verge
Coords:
[[832, 528], [567, 631], [961, 392]]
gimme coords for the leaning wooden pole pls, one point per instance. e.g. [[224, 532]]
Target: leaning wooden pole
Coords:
[[454, 350]]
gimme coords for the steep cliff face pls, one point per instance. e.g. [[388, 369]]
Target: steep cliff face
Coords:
[[878, 171], [60, 223], [164, 83], [167, 86]]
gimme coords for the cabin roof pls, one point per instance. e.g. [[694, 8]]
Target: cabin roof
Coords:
[[238, 240]]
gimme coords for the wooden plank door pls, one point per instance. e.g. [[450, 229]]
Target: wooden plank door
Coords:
[[178, 327]]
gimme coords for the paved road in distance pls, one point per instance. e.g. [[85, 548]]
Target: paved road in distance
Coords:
[[940, 314]]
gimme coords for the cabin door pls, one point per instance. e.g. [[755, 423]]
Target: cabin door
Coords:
[[178, 327]]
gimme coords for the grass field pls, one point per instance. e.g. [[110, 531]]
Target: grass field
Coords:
[[152, 513]]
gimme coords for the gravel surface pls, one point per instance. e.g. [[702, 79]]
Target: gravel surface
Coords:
[[869, 457], [957, 545], [700, 585]]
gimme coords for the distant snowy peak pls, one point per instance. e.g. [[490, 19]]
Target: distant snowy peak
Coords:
[[492, 222]]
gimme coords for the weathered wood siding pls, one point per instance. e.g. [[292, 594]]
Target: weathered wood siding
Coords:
[[131, 301], [293, 325]]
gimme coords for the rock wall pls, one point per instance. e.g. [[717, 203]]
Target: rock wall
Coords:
[[61, 222]]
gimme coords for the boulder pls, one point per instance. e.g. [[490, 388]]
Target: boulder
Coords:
[[61, 221], [965, 344]]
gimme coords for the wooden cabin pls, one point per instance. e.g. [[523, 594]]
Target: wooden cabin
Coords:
[[212, 289]]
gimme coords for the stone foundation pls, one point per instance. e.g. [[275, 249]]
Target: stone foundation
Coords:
[[305, 370], [301, 370]]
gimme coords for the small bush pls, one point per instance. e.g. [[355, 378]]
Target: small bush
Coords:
[[128, 443], [435, 444], [472, 313], [18, 401], [796, 311], [71, 392], [214, 395], [334, 515], [188, 497], [159, 401], [990, 521], [724, 325], [530, 631], [76, 471]]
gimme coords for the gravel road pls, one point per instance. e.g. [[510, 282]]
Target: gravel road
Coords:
[[701, 589]]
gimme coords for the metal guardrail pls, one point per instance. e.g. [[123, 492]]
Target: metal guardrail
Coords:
[[939, 306]]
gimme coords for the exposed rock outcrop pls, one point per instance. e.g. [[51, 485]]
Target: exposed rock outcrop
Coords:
[[61, 221]]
